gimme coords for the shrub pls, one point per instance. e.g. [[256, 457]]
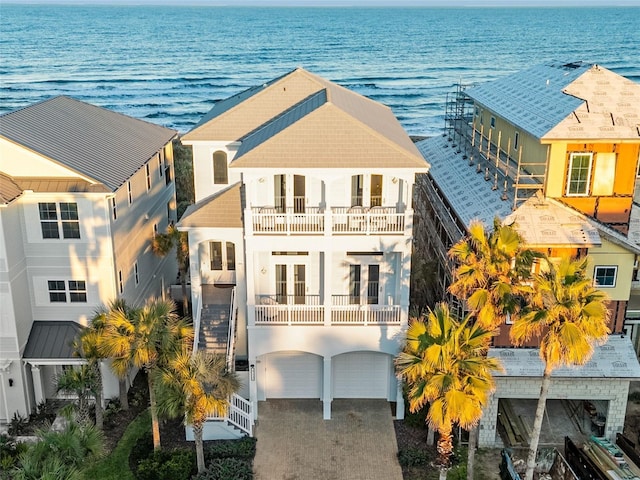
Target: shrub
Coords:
[[18, 425], [243, 448], [141, 450], [634, 397], [111, 412], [227, 469], [167, 465], [412, 457]]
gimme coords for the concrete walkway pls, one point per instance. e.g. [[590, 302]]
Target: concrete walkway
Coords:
[[295, 443]]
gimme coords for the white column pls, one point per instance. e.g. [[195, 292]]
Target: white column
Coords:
[[327, 255], [326, 390], [253, 386], [38, 388], [399, 401]]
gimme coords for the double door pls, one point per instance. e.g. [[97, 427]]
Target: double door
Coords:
[[291, 283], [289, 193], [364, 284]]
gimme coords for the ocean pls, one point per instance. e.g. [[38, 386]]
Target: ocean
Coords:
[[170, 64]]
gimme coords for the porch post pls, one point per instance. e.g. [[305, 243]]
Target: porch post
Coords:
[[326, 390], [38, 388], [253, 387], [326, 281], [399, 401]]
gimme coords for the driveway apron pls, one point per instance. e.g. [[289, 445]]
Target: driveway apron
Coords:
[[295, 443]]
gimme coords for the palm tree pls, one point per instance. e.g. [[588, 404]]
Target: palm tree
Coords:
[[491, 275], [492, 272], [90, 346], [163, 243], [196, 385], [444, 363], [82, 382], [571, 316], [146, 338]]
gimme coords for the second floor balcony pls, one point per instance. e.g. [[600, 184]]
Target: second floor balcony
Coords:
[[309, 310], [356, 220]]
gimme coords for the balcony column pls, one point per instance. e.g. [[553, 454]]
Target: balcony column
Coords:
[[38, 387], [326, 389], [405, 267], [399, 401], [326, 284], [253, 386]]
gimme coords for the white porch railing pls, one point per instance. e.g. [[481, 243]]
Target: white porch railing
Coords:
[[277, 314], [238, 414], [365, 315], [340, 221]]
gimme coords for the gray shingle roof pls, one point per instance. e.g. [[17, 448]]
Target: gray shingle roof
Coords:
[[103, 145], [532, 99], [51, 339]]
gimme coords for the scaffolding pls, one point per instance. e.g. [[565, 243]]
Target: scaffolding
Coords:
[[517, 178]]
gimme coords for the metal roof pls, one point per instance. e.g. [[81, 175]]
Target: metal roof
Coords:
[[614, 359], [51, 339], [532, 99], [100, 144]]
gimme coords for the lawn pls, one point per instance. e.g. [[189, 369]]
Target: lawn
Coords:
[[115, 466]]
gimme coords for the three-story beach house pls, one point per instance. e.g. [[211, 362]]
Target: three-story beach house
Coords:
[[300, 239], [553, 150], [83, 190]]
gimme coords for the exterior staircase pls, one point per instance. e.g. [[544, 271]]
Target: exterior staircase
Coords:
[[214, 328]]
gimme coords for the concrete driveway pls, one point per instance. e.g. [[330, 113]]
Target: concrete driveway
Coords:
[[295, 443]]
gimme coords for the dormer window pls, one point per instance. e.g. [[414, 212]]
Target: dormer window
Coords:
[[493, 122], [220, 175], [579, 174]]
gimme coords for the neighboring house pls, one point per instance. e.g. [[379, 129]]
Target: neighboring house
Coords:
[[82, 192], [304, 207], [553, 150]]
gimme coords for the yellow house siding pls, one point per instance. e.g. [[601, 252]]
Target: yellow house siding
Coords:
[[557, 170], [610, 254]]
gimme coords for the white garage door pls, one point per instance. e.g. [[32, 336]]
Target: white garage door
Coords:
[[293, 375], [360, 375]]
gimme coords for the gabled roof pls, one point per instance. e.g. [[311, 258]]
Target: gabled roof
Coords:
[[222, 209], [565, 101], [51, 340], [100, 144], [544, 222], [317, 133], [260, 115]]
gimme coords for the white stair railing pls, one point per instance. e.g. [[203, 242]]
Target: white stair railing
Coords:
[[238, 414], [231, 337]]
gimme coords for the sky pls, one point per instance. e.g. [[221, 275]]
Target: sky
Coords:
[[417, 3]]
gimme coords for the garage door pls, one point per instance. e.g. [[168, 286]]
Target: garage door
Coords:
[[293, 375], [360, 375]]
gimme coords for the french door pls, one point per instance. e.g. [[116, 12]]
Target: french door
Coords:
[[364, 284], [291, 283], [290, 193], [366, 190]]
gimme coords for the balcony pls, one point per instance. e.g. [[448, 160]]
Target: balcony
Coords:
[[307, 310], [355, 220]]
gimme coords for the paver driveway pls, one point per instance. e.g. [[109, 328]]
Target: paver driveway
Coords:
[[295, 443]]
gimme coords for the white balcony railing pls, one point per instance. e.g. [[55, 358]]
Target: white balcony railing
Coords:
[[311, 312], [340, 220]]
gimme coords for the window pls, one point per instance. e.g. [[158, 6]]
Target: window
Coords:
[[77, 291], [155, 230], [493, 122], [55, 216], [215, 254], [49, 220], [114, 208], [161, 162], [120, 282], [169, 213], [57, 291], [220, 176], [129, 192], [135, 273], [605, 276], [147, 171], [516, 141], [579, 175]]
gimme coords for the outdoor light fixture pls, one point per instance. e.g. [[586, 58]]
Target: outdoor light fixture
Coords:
[[11, 382], [252, 372]]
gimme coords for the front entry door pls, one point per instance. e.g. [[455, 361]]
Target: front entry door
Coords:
[[222, 262]]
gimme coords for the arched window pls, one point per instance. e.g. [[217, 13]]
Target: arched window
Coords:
[[220, 168]]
